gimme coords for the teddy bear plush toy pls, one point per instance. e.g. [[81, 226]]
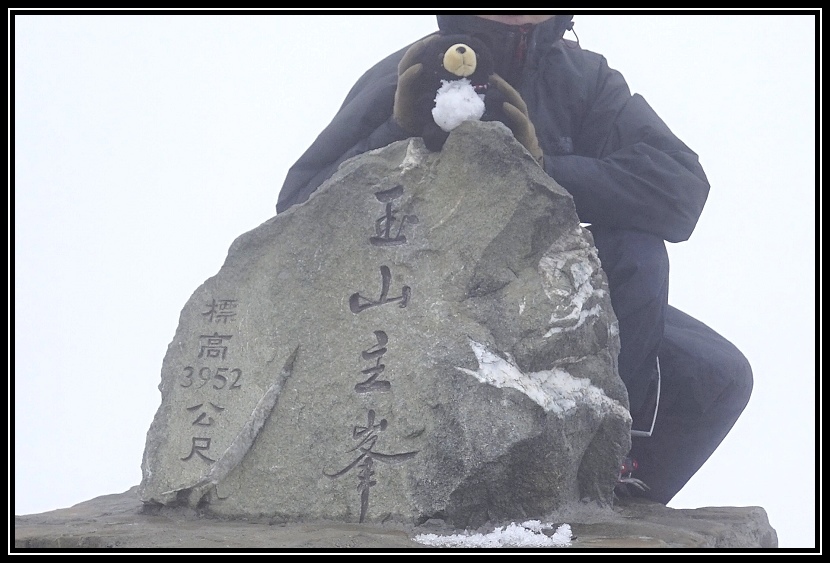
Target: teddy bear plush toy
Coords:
[[455, 87], [444, 80]]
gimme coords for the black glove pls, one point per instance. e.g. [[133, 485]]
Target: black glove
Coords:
[[406, 111], [515, 116]]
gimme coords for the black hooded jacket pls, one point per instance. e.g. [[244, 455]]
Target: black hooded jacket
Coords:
[[623, 166]]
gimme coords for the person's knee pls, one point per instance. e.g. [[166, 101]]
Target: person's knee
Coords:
[[742, 381]]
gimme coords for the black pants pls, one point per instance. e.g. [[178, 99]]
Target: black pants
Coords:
[[705, 380]]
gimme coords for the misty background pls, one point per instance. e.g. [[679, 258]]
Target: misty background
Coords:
[[143, 145]]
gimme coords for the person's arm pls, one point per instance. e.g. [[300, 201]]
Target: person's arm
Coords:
[[363, 123], [640, 175]]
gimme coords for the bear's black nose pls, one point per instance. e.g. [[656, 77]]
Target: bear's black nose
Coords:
[[460, 50]]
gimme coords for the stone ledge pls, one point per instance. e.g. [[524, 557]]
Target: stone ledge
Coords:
[[121, 521]]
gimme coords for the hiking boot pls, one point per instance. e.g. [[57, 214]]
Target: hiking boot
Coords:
[[627, 485]]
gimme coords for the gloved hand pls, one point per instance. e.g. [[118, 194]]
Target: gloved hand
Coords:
[[516, 117], [406, 111]]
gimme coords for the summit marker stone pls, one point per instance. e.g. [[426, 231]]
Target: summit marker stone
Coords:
[[429, 336]]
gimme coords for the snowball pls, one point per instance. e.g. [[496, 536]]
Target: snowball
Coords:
[[456, 102]]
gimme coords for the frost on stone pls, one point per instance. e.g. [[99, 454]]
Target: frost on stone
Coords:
[[415, 153], [527, 534], [568, 275], [555, 390]]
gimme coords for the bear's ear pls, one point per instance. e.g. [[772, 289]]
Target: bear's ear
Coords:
[[423, 51], [486, 65]]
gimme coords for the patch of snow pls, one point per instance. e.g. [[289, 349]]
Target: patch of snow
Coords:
[[527, 534], [414, 156], [580, 320], [553, 269], [554, 390]]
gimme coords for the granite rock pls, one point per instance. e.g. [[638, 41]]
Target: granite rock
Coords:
[[429, 336]]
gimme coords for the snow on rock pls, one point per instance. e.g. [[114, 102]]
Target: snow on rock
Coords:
[[527, 534], [579, 274], [554, 390]]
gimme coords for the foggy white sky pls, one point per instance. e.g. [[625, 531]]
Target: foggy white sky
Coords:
[[145, 144]]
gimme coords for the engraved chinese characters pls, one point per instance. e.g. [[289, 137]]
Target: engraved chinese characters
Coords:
[[327, 367], [367, 435], [208, 379]]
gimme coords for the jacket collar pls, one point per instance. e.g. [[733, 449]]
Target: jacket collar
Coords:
[[503, 40], [548, 31]]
